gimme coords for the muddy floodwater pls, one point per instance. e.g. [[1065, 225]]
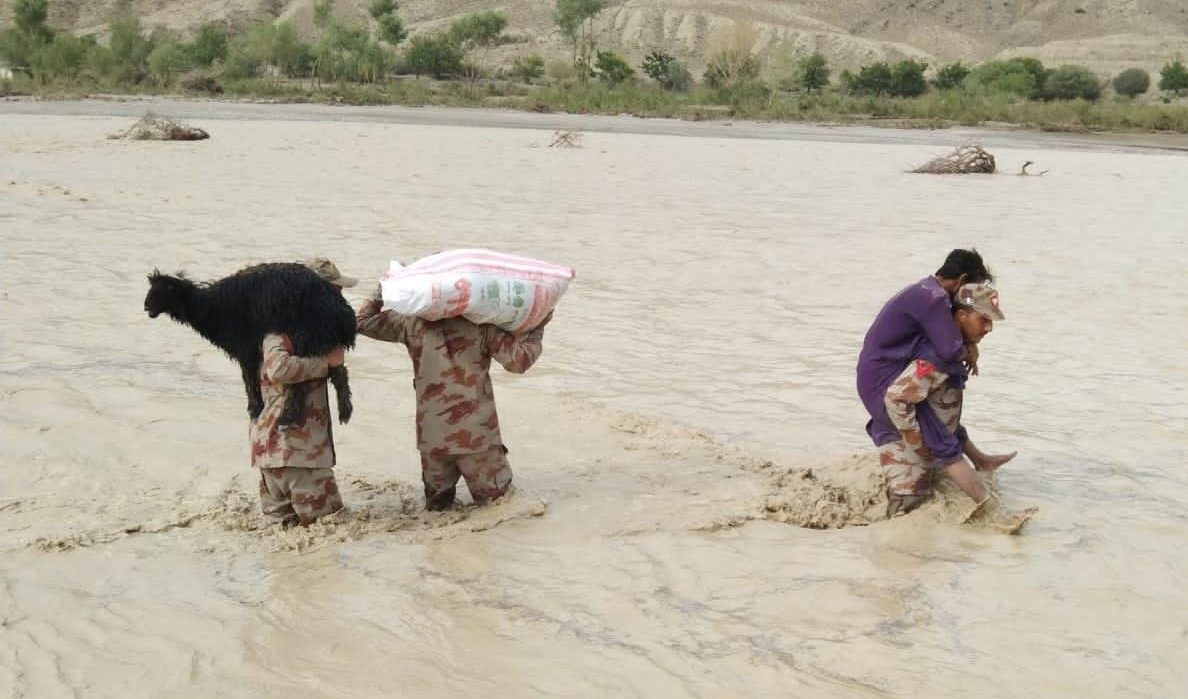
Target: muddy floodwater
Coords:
[[694, 405]]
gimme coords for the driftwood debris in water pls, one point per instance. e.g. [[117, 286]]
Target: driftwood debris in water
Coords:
[[963, 161], [566, 139], [157, 128]]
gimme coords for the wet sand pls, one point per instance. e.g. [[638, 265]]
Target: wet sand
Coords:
[[698, 369]]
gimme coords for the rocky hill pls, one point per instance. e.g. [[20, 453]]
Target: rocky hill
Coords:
[[1105, 35]]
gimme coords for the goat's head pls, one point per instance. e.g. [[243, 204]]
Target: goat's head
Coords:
[[165, 295]]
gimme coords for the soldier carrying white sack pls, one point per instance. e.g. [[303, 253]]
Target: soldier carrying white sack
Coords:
[[457, 424]]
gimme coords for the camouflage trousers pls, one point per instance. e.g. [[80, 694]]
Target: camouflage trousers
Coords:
[[908, 473], [298, 495], [488, 476]]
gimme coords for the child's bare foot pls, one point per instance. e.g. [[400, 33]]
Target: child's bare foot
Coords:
[[991, 462]]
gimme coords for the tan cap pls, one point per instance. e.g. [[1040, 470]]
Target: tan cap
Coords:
[[328, 271], [980, 298]]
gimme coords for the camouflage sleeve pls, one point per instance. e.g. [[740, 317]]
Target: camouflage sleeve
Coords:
[[517, 353], [281, 366], [913, 386], [374, 322]]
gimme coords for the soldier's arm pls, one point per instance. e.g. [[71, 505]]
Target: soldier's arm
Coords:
[[371, 321], [516, 353], [281, 366], [911, 387]]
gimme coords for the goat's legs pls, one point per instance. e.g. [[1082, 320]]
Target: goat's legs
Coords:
[[294, 403], [342, 388], [251, 385]]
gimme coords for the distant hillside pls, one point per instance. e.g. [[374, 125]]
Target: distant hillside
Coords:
[[1105, 35]]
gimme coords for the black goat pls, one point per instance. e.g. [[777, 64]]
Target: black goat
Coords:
[[236, 312]]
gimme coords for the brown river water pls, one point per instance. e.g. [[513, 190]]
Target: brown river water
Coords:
[[699, 366]]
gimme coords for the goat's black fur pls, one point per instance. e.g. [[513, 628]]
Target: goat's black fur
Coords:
[[236, 312]]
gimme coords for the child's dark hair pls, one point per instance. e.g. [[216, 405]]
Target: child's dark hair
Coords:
[[967, 262]]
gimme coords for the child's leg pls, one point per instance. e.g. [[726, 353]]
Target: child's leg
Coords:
[[275, 504], [439, 474], [488, 474], [965, 478], [983, 461], [946, 404], [314, 492]]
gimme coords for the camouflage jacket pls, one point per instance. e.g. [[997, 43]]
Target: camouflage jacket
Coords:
[[925, 406], [309, 443], [451, 373]]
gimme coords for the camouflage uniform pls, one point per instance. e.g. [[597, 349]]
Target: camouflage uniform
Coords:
[[457, 425], [924, 405], [296, 477], [908, 462]]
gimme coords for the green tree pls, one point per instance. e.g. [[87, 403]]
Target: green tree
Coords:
[[726, 69], [1132, 82], [389, 26], [348, 53], [209, 45], [323, 13], [1174, 77], [612, 69], [167, 59], [907, 79], [814, 72], [390, 29], [1071, 82], [344, 52], [130, 50], [527, 68], [872, 79], [575, 19], [61, 59], [31, 18], [1023, 77], [950, 77], [240, 65], [655, 65], [379, 8], [904, 79], [1033, 66], [15, 48], [434, 55], [667, 71], [275, 45], [285, 50], [20, 43], [477, 32], [678, 78], [99, 63]]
